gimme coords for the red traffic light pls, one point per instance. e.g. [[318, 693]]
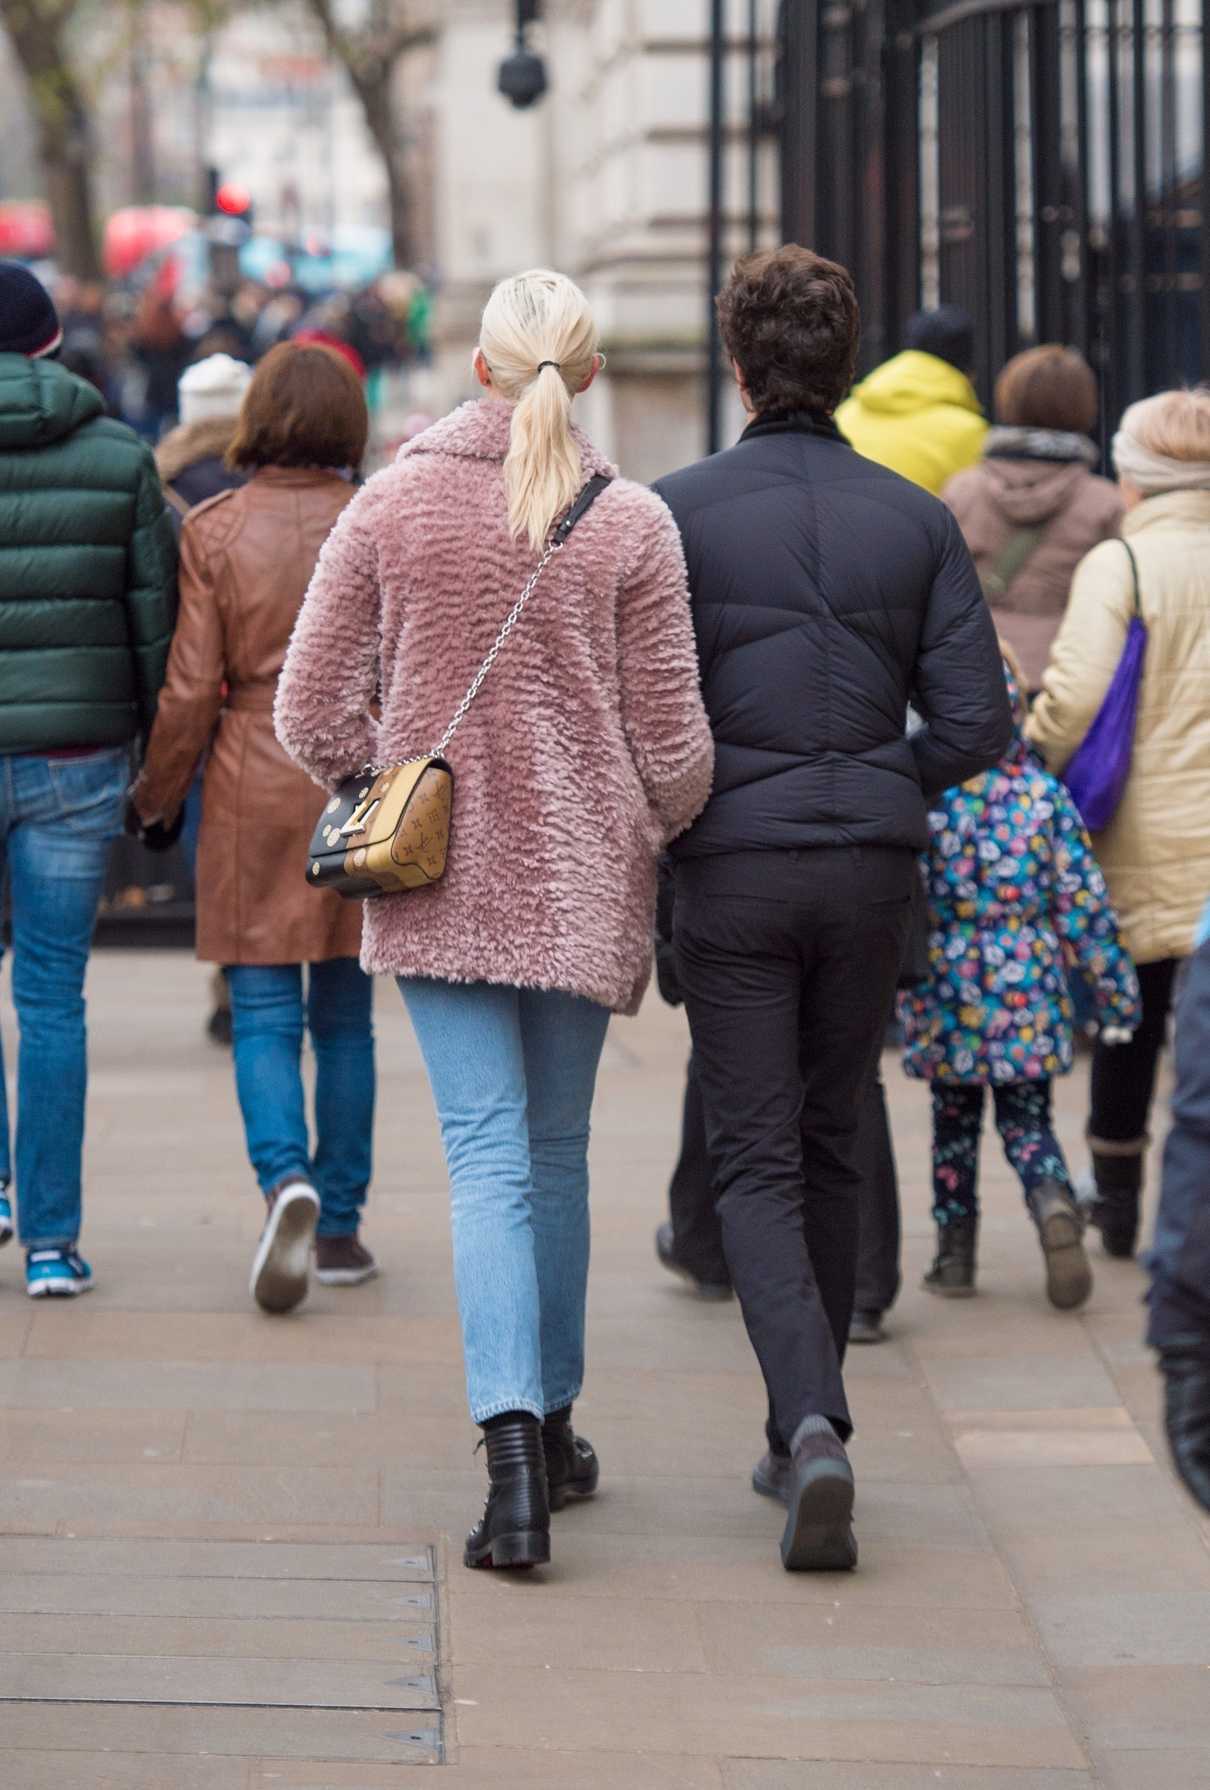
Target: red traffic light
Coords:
[[234, 201]]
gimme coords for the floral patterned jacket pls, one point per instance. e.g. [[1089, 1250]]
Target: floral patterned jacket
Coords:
[[1015, 899]]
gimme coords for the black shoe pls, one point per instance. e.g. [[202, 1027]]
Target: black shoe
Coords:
[[819, 1528], [514, 1529], [1186, 1373], [665, 1248], [572, 1468], [1061, 1232], [952, 1275], [771, 1476], [866, 1327], [1115, 1207]]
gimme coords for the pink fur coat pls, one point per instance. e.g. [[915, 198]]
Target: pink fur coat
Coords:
[[587, 750]]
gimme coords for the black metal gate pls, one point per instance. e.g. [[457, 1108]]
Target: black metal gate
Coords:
[[1041, 164]]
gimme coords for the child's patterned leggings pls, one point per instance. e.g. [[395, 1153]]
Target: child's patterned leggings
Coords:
[[1023, 1119]]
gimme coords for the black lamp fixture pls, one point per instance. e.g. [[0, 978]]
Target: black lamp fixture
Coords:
[[522, 78]]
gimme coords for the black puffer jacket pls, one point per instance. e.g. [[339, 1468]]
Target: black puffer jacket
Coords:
[[827, 594]]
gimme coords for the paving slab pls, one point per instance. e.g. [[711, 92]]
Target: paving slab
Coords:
[[1115, 1628], [122, 1771], [910, 1644], [766, 1717], [1140, 1708], [241, 1734], [409, 1642], [1166, 1768], [544, 1626], [244, 1683], [769, 1774]]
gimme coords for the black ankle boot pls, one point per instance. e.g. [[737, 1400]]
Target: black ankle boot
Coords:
[[1115, 1210], [1186, 1370], [515, 1527], [572, 1468], [1061, 1232], [952, 1275]]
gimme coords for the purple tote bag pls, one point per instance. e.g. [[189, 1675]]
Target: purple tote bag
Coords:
[[1096, 775]]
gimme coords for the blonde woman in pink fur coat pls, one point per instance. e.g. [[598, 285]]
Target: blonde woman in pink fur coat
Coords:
[[587, 751]]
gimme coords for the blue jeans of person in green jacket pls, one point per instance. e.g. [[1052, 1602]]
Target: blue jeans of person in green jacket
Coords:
[[58, 819]]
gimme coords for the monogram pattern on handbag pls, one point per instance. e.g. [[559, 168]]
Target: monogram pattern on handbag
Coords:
[[423, 837]]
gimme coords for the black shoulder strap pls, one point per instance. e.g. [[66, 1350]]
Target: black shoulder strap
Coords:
[[581, 506], [1134, 571]]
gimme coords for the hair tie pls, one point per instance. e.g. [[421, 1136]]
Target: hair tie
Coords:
[[549, 363]]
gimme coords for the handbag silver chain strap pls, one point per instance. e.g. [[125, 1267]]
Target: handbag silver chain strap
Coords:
[[509, 623], [555, 545]]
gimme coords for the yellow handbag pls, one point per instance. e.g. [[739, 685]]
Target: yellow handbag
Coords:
[[386, 829]]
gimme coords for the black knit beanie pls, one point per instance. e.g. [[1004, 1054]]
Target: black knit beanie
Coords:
[[29, 323], [948, 332]]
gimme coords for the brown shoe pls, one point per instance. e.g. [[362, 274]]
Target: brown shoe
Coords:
[[283, 1255], [343, 1261]]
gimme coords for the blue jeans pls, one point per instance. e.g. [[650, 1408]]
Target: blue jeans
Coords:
[[513, 1072], [268, 1019], [58, 819]]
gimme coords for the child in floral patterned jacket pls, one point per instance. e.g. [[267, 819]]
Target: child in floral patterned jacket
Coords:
[[1015, 898]]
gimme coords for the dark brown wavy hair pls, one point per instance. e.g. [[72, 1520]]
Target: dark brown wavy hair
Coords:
[[791, 323]]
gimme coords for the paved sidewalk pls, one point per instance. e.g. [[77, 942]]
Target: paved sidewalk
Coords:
[[230, 1544]]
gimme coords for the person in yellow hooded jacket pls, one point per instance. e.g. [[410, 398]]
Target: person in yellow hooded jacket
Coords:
[[918, 413]]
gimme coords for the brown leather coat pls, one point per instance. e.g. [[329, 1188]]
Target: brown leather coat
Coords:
[[246, 559]]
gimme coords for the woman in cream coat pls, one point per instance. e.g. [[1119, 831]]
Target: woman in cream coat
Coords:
[[1156, 851]]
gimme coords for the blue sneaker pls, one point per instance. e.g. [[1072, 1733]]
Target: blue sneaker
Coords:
[[56, 1274], [6, 1217]]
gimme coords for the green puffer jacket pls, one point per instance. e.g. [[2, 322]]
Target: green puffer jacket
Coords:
[[87, 567]]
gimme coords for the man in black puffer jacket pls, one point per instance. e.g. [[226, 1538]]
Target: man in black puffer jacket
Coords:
[[827, 594], [87, 587]]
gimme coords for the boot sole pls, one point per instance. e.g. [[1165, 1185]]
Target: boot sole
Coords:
[[819, 1535], [948, 1292], [345, 1277], [282, 1262], [1068, 1275], [518, 1551]]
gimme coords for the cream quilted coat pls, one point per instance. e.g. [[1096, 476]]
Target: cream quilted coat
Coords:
[[1156, 852]]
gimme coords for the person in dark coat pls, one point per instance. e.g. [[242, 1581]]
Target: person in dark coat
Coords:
[[827, 592], [1179, 1325], [87, 589]]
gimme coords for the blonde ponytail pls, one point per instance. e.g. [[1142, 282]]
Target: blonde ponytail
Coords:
[[539, 341]]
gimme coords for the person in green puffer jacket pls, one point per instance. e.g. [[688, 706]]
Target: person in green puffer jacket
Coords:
[[87, 605]]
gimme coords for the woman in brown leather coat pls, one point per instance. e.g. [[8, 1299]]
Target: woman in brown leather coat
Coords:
[[246, 559]]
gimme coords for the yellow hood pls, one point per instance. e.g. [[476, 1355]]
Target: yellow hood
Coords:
[[913, 381], [918, 416]]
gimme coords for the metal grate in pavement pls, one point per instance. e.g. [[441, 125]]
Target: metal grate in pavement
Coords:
[[295, 1650]]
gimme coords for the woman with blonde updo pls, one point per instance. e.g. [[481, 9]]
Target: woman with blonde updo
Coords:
[[587, 751], [1156, 851]]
